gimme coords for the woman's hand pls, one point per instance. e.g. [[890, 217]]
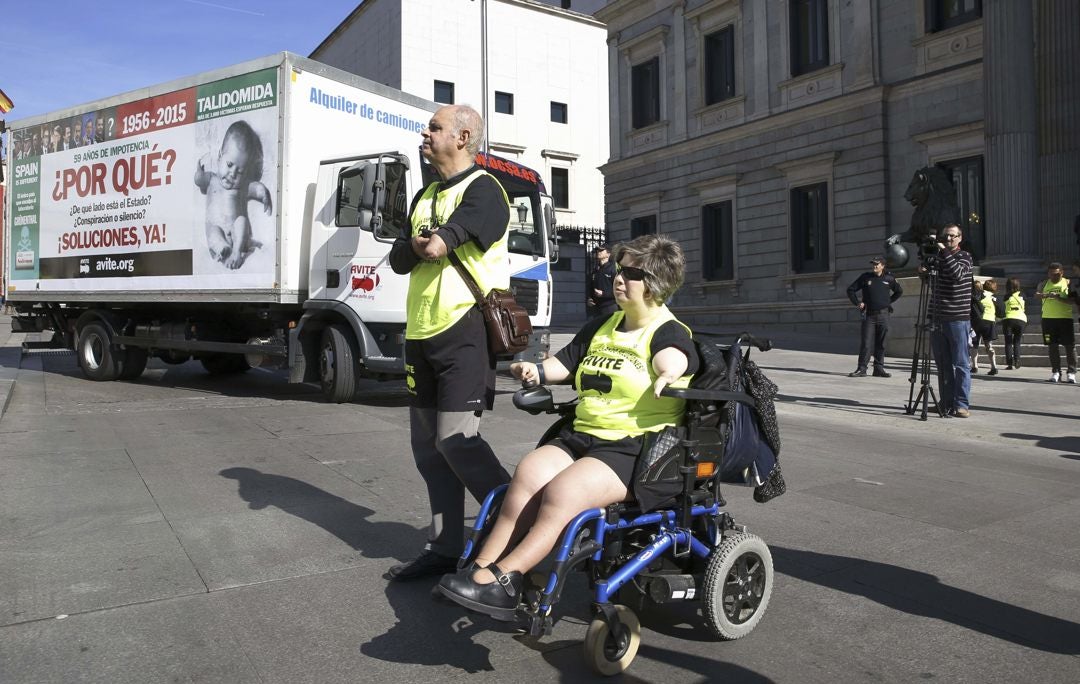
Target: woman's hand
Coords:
[[526, 372], [662, 382]]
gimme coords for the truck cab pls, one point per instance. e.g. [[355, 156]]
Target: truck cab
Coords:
[[353, 325]]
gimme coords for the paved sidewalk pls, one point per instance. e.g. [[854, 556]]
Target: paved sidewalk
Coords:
[[189, 528]]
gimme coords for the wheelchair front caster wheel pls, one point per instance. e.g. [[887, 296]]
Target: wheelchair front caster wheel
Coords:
[[737, 586], [608, 653]]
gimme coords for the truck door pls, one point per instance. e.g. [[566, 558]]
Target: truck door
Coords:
[[366, 211]]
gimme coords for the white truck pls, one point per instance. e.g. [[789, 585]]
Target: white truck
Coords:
[[240, 217]]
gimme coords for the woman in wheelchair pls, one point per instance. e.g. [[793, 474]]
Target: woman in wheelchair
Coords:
[[619, 365]]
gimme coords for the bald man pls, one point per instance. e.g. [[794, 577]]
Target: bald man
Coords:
[[450, 370]]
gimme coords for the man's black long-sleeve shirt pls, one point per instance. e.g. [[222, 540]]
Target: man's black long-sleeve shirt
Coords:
[[878, 292], [482, 215]]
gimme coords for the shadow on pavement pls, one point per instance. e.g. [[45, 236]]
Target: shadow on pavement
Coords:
[[1067, 444], [426, 633], [429, 632], [566, 657], [343, 519], [255, 383], [923, 594]]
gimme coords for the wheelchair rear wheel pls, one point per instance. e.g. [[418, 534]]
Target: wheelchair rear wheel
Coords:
[[607, 653], [738, 583]]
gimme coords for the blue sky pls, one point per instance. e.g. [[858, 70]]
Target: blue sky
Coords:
[[60, 53]]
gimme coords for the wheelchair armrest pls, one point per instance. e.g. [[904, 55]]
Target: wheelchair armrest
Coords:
[[537, 399], [693, 393]]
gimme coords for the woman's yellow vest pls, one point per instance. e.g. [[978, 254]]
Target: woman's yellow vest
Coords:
[[615, 379], [1014, 307], [1054, 307], [438, 297], [988, 307]]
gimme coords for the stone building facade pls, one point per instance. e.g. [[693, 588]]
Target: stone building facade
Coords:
[[775, 140]]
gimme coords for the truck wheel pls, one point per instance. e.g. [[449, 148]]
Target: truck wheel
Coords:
[[225, 364], [134, 363], [99, 359], [337, 364]]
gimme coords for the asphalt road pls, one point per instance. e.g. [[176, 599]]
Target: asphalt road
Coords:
[[188, 528]]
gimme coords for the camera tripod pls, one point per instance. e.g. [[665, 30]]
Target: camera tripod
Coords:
[[925, 325]]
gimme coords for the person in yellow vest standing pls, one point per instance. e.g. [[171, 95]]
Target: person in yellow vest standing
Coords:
[[450, 372], [984, 327], [1015, 320], [619, 365], [1057, 322]]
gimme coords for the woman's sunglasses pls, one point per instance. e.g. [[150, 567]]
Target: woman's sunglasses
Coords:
[[630, 272]]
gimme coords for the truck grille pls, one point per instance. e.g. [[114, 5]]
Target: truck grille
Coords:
[[527, 293]]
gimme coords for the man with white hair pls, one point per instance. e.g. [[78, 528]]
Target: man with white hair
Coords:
[[450, 370]]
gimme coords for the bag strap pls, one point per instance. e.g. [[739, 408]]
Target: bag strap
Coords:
[[466, 276], [462, 271]]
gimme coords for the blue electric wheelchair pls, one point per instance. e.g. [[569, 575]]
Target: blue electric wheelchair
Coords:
[[687, 548]]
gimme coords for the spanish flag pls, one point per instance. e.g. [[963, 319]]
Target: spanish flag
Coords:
[[5, 103]]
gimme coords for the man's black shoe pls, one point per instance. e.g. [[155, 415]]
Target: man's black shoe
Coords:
[[881, 373], [857, 374], [427, 564], [498, 599]]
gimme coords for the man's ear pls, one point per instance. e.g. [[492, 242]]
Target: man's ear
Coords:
[[463, 137]]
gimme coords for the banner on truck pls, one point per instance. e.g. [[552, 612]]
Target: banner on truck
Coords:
[[180, 188]]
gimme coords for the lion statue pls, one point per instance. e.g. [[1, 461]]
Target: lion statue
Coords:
[[932, 194]]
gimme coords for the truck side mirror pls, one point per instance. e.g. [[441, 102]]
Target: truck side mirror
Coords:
[[553, 236], [373, 195]]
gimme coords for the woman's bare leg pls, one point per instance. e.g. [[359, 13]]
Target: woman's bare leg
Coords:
[[522, 501], [586, 484]]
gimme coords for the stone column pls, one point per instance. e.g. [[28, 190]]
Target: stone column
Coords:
[[1012, 231], [1057, 54]]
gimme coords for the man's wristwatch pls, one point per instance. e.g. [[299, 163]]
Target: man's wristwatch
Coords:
[[540, 373]]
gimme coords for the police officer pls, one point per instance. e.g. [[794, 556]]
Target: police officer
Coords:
[[603, 283], [450, 372], [879, 289]]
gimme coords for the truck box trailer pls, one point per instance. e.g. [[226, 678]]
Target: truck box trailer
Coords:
[[242, 216]]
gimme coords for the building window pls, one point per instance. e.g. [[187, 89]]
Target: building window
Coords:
[[504, 103], [809, 35], [560, 187], [967, 178], [717, 246], [720, 65], [642, 225], [444, 92], [945, 14], [810, 228], [645, 93], [558, 112]]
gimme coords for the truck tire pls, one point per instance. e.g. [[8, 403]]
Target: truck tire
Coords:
[[225, 364], [337, 364], [134, 363], [99, 358]]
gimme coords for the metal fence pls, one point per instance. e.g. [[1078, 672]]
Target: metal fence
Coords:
[[588, 237]]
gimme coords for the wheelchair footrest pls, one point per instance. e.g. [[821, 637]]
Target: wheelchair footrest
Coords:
[[540, 625]]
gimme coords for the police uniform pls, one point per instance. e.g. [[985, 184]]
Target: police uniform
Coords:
[[877, 292]]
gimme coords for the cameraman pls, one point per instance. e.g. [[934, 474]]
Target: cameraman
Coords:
[[950, 308]]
